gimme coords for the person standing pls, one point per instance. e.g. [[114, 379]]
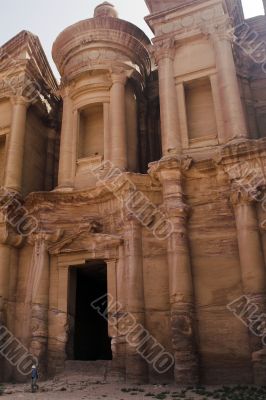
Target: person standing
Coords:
[[34, 379]]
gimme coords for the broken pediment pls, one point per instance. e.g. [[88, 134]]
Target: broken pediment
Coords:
[[27, 47], [85, 241]]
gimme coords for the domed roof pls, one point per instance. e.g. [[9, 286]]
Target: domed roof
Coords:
[[105, 10], [102, 42]]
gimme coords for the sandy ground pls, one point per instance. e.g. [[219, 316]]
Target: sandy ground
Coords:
[[84, 390], [93, 392]]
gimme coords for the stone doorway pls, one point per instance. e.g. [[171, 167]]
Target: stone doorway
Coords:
[[88, 336]]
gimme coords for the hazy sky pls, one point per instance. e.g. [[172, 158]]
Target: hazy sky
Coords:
[[253, 7], [47, 18]]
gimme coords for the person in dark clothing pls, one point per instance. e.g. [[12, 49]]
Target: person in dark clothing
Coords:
[[34, 379]]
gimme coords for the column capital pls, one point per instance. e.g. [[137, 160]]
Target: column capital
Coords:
[[8, 236], [163, 49], [169, 171], [66, 87], [241, 195], [45, 237], [119, 77], [169, 168], [130, 218], [65, 92], [222, 29]]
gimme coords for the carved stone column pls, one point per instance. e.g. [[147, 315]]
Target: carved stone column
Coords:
[[118, 153], [107, 132], [15, 150], [136, 367], [9, 242], [164, 54], [39, 300], [234, 119], [5, 255], [40, 282], [181, 290], [58, 320], [117, 315], [67, 160], [4, 280], [112, 304], [252, 263]]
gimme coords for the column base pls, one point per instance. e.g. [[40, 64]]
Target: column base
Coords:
[[56, 363], [38, 349], [136, 369], [117, 373], [39, 340], [186, 370], [174, 152], [259, 367]]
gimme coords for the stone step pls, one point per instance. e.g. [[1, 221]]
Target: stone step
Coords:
[[93, 370]]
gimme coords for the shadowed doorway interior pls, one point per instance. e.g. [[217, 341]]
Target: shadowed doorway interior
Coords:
[[89, 336]]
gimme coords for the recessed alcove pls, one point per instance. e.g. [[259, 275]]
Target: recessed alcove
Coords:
[[91, 131], [201, 120]]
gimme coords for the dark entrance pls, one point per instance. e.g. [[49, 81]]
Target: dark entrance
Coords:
[[90, 334]]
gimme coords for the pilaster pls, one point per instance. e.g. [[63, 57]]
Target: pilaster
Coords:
[[252, 264], [221, 35], [15, 149], [164, 52], [181, 292], [136, 367], [68, 156], [39, 297], [118, 138]]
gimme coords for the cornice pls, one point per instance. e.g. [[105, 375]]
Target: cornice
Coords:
[[76, 88], [180, 12], [242, 149], [93, 24], [157, 7], [170, 163], [231, 154], [100, 194], [74, 243]]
